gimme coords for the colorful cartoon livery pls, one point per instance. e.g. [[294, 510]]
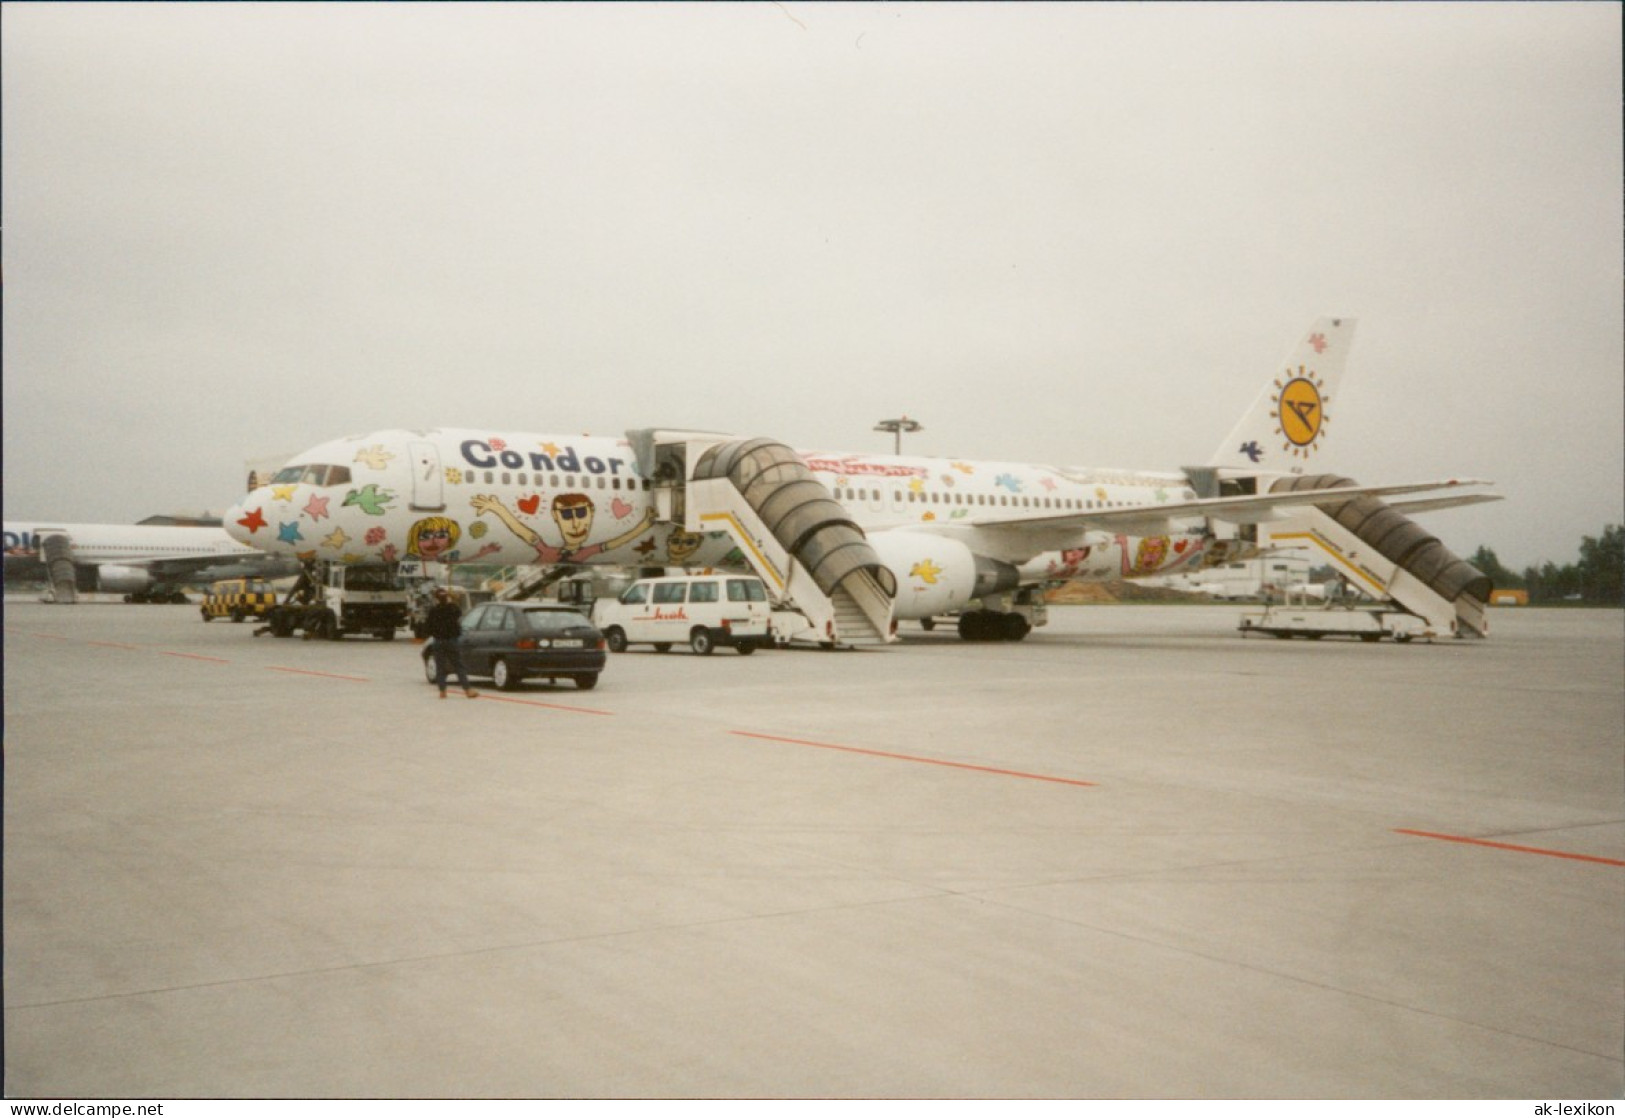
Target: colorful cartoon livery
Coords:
[[858, 541]]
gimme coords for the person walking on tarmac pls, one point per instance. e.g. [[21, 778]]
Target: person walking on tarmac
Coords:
[[444, 623]]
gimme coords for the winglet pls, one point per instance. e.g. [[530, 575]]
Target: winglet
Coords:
[[1289, 424]]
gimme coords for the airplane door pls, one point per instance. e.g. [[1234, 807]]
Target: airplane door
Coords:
[[428, 481]]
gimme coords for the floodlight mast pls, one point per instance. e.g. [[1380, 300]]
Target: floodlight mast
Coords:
[[896, 427]]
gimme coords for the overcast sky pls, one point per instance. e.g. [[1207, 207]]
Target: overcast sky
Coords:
[[1078, 234]]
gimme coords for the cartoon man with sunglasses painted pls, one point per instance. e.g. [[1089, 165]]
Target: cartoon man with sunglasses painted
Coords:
[[573, 513]]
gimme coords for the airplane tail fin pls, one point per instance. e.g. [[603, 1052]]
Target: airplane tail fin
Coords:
[[1289, 424]]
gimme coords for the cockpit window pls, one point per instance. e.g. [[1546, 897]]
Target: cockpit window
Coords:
[[312, 474]]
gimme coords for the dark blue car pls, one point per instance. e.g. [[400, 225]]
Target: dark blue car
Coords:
[[514, 641]]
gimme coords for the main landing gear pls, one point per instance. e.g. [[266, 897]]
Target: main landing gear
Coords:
[[993, 625]]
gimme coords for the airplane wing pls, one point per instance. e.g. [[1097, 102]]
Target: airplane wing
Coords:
[[204, 568], [1435, 503], [169, 568], [1151, 520]]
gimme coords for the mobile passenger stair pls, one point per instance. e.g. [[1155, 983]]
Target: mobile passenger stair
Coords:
[[57, 553], [788, 526], [1385, 555]]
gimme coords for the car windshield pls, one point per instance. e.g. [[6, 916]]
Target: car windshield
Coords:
[[554, 620]]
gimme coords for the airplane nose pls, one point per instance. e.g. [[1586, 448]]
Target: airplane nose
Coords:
[[244, 520]]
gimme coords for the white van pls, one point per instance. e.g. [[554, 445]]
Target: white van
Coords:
[[701, 610]]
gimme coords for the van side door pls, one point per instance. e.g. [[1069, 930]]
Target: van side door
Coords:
[[669, 617]]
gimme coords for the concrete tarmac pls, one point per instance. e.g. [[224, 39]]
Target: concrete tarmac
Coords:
[[1135, 856]]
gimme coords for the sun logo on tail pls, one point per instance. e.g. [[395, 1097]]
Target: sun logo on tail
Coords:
[[1300, 411]]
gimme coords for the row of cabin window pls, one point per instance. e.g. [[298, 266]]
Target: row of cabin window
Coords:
[[977, 499], [537, 481], [145, 548]]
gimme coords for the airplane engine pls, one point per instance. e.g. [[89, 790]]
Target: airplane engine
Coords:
[[122, 580], [936, 574]]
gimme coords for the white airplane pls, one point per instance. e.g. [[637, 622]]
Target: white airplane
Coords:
[[144, 562], [856, 541]]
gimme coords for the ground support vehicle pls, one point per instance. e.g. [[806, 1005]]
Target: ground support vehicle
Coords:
[[791, 628], [702, 611], [510, 642], [238, 598], [332, 600], [1312, 622]]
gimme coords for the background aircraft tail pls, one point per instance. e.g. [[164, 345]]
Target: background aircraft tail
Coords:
[[1289, 424]]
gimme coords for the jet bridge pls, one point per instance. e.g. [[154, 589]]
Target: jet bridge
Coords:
[[787, 524], [1388, 555]]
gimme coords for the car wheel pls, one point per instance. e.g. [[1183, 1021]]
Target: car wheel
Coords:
[[428, 666], [207, 616], [745, 649], [615, 639], [700, 641], [587, 681], [236, 616], [503, 676]]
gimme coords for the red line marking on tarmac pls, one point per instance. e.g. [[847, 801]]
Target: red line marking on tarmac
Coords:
[[1510, 846], [194, 656], [49, 636], [115, 644], [322, 675], [918, 760], [549, 706]]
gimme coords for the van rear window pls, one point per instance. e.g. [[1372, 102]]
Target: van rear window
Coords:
[[746, 590]]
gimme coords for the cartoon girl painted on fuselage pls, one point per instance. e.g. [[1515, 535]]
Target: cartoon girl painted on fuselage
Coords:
[[433, 538]]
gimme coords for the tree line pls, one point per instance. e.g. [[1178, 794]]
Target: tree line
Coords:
[[1596, 578]]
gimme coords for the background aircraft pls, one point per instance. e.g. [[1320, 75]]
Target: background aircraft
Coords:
[[144, 562]]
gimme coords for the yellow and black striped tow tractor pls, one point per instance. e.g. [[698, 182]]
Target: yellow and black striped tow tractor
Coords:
[[238, 598]]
